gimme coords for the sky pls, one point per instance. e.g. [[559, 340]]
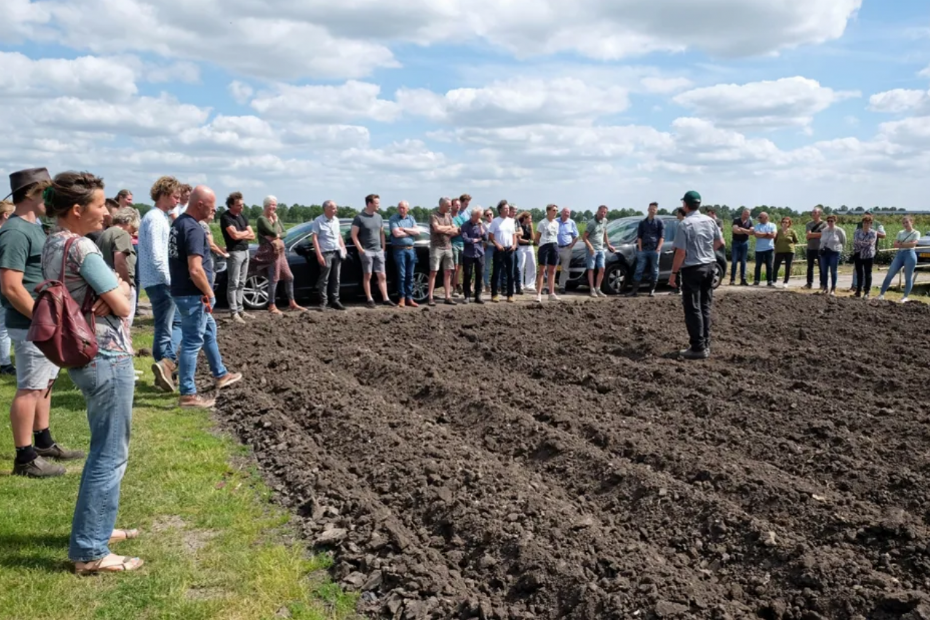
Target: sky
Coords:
[[582, 103]]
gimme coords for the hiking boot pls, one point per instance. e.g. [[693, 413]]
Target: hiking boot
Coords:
[[8, 370], [691, 354], [38, 468], [510, 300], [370, 304], [195, 401], [238, 318], [495, 298], [228, 379], [59, 454], [162, 371]]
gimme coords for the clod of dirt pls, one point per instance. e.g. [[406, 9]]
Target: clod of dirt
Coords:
[[553, 470]]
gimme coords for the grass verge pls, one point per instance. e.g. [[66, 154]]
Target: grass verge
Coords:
[[214, 544]]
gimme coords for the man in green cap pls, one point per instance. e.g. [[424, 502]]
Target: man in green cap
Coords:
[[696, 242]]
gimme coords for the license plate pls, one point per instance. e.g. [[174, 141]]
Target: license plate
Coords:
[[925, 254]]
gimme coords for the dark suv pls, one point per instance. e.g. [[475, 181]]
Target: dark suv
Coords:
[[301, 257], [619, 267]]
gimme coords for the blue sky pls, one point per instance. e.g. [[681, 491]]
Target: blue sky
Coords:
[[620, 103]]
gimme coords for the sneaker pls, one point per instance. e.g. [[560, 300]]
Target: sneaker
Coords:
[[755, 284], [554, 297], [510, 300], [456, 293], [337, 305], [771, 284], [466, 301], [539, 299], [449, 302], [652, 293], [866, 296], [743, 283], [852, 289], [323, 307], [431, 303], [195, 401], [519, 291], [732, 282], [238, 318], [495, 298], [634, 292], [808, 286], [479, 301], [593, 293], [561, 291], [833, 293], [388, 303], [881, 297], [370, 304], [162, 371], [38, 468], [245, 315], [904, 300], [858, 294], [691, 354], [228, 379], [59, 454], [8, 370]]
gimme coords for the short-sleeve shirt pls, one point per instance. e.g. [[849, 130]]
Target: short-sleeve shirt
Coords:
[[764, 245], [370, 228], [697, 235], [596, 230], [747, 224], [187, 238], [504, 231], [116, 240], [568, 231], [240, 223], [864, 243], [651, 231], [814, 227], [908, 237], [327, 233], [438, 239], [85, 273], [458, 220], [548, 231], [396, 222], [21, 244]]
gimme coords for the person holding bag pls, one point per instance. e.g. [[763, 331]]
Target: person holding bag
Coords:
[[77, 202], [272, 256], [864, 240]]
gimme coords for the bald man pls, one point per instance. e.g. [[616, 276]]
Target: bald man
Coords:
[[191, 265]]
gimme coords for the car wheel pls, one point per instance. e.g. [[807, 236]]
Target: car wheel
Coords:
[[614, 279], [718, 275], [420, 286], [255, 293]]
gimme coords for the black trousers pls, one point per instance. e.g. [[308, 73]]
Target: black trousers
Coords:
[[472, 266], [813, 258], [697, 294], [788, 259], [503, 272], [864, 274], [767, 257]]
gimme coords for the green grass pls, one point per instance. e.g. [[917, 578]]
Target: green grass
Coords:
[[214, 544]]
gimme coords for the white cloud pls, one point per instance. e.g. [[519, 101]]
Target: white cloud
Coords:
[[85, 77], [665, 85], [240, 92], [788, 102], [900, 100], [145, 116], [924, 73], [517, 102], [352, 100]]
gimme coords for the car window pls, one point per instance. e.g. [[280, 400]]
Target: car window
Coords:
[[624, 232], [671, 227], [297, 233]]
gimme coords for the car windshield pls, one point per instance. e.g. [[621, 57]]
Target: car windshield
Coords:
[[623, 231], [297, 232]]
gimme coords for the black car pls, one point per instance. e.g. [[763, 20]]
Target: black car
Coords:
[[620, 266], [301, 257]]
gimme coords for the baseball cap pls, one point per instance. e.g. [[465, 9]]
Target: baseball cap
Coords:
[[692, 198]]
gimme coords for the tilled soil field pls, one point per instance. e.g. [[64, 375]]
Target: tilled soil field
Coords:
[[516, 462]]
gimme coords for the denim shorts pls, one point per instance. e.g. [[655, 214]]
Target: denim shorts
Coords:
[[548, 255], [596, 260], [458, 255], [373, 261], [33, 370]]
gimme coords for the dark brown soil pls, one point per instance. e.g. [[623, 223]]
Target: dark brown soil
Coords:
[[557, 462]]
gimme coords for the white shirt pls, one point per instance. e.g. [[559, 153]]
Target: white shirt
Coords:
[[504, 231], [548, 231], [177, 211], [152, 250]]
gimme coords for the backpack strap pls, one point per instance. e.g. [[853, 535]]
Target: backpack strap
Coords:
[[90, 298]]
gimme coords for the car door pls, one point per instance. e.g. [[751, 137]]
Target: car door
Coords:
[[668, 250], [351, 274], [302, 259]]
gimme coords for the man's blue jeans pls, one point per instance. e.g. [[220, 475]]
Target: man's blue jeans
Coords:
[[488, 265], [167, 323], [740, 255], [198, 331], [405, 260], [107, 384], [644, 258]]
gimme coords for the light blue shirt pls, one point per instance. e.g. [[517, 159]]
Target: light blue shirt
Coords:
[[328, 233], [396, 222], [764, 245], [697, 234], [568, 232], [152, 251]]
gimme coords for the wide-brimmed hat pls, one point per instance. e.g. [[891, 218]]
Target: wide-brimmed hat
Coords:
[[24, 178]]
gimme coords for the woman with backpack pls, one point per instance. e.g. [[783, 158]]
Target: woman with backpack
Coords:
[[77, 202]]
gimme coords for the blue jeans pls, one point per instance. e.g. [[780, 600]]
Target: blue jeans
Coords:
[[107, 384], [405, 260], [740, 256], [198, 331], [906, 259], [167, 323], [829, 260], [488, 265], [647, 257]]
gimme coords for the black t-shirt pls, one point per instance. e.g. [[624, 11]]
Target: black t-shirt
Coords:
[[240, 223], [187, 238], [739, 222]]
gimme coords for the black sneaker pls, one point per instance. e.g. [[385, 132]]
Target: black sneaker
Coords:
[[808, 286], [370, 304], [652, 293], [8, 370], [449, 302], [337, 305], [59, 454], [691, 354], [466, 301], [388, 303], [732, 282], [38, 468], [771, 284], [323, 307], [479, 301], [743, 283]]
